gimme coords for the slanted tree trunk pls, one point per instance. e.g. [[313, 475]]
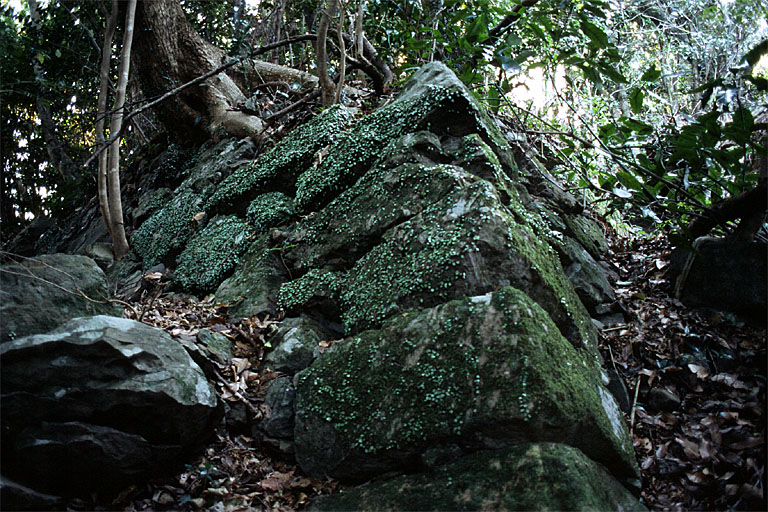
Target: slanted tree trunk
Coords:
[[170, 52]]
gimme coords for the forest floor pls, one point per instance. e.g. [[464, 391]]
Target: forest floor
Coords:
[[697, 382]]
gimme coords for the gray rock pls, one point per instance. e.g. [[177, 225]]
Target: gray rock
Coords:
[[15, 496], [482, 372], [540, 476], [588, 277], [295, 344], [210, 350], [41, 293], [253, 288], [281, 399], [112, 401]]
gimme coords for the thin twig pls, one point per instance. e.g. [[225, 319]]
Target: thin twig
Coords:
[[634, 407], [254, 410]]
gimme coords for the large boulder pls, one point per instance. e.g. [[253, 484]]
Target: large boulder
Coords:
[[99, 403], [41, 293], [538, 476], [480, 372]]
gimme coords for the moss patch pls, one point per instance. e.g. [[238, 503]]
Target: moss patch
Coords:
[[166, 232], [493, 367], [446, 109], [315, 284], [269, 210], [540, 476], [213, 253], [278, 168]]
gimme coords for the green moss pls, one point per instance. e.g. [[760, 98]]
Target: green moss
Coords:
[[166, 232], [574, 318], [269, 210], [278, 168], [436, 109], [315, 283], [382, 198], [588, 233], [494, 366], [540, 476], [213, 253]]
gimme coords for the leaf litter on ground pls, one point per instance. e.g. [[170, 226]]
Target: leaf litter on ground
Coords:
[[700, 376]]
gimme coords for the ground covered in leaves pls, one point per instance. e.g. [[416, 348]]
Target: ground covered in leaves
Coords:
[[696, 381]]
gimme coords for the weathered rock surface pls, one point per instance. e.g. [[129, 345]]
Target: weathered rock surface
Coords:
[[726, 275], [538, 476], [295, 344], [481, 372], [98, 403], [41, 293]]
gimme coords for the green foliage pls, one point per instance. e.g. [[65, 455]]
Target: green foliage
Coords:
[[213, 253], [31, 184], [269, 210], [279, 168], [166, 232]]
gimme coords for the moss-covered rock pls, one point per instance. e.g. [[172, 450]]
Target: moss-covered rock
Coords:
[[417, 235], [277, 169], [482, 372], [434, 100], [253, 289], [213, 253], [269, 210], [537, 476], [161, 237], [588, 233]]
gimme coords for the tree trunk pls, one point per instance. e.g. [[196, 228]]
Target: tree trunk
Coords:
[[119, 241], [101, 115], [171, 52]]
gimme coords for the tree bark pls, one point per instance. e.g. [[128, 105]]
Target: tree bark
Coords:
[[119, 241], [321, 54], [171, 53], [101, 113]]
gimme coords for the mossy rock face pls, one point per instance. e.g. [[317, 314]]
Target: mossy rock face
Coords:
[[434, 100], [161, 237], [213, 253], [535, 476], [278, 169], [217, 163], [269, 210], [588, 233], [253, 289], [485, 371], [416, 236]]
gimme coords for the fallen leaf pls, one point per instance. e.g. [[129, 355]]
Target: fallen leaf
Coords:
[[699, 370], [747, 443]]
